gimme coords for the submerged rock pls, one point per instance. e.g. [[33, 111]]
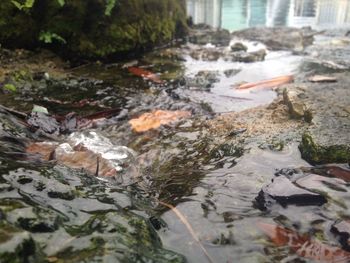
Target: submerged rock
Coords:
[[284, 192], [238, 46], [341, 230], [246, 57], [16, 245], [203, 80]]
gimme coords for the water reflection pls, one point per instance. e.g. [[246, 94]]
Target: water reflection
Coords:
[[237, 14]]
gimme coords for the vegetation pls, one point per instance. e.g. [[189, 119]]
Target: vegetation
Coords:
[[91, 29]]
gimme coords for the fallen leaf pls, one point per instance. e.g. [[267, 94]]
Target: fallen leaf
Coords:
[[269, 83], [303, 245], [87, 160], [44, 149], [145, 74], [153, 120], [322, 78], [77, 158]]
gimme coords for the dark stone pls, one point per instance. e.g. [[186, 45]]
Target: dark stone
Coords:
[[239, 47], [341, 230], [157, 223], [24, 180], [284, 192], [43, 122], [247, 57], [231, 72]]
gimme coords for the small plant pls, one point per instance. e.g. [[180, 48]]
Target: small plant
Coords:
[[10, 87], [61, 2], [48, 37], [28, 4], [110, 4]]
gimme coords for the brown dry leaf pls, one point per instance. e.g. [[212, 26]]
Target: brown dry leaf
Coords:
[[322, 78], [303, 245], [268, 83], [80, 158], [43, 148], [154, 119], [88, 161]]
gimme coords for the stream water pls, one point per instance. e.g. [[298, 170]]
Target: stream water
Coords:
[[213, 187]]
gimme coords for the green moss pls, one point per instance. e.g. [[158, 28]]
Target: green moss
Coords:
[[319, 154], [133, 26]]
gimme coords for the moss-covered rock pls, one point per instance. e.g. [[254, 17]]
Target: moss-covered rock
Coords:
[[82, 28], [15, 245], [316, 153]]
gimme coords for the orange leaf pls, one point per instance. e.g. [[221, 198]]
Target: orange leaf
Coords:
[[304, 246], [145, 74], [269, 83], [153, 120]]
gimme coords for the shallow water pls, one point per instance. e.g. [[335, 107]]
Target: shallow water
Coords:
[[213, 183]]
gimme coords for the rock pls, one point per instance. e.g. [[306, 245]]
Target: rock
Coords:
[[239, 47], [325, 107], [231, 72], [284, 192], [220, 37], [279, 38], [43, 122], [246, 57], [296, 108], [206, 54], [341, 230], [316, 151], [203, 80], [35, 220]]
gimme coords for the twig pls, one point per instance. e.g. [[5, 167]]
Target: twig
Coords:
[[189, 228], [19, 114]]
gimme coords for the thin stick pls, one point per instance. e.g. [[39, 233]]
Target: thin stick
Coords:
[[189, 228], [19, 114]]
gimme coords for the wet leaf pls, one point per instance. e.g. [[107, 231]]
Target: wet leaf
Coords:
[[155, 119], [44, 149], [145, 74], [269, 83], [84, 159], [303, 245], [41, 109], [78, 158]]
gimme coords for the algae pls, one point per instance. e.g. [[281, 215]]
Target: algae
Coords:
[[320, 154]]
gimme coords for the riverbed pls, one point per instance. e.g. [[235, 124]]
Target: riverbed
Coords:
[[216, 166]]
